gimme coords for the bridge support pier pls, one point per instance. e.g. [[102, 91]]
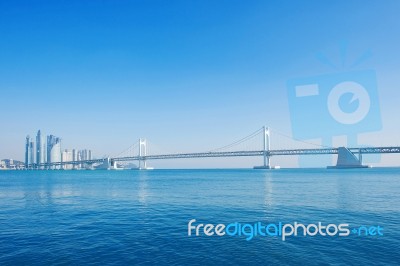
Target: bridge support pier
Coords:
[[346, 159]]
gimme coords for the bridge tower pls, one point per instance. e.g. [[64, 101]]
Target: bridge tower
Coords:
[[142, 152], [266, 150], [267, 147]]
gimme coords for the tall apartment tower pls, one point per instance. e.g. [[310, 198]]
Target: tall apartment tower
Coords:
[[53, 149], [29, 152], [40, 148]]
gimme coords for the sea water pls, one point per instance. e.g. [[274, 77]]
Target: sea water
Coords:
[[141, 217]]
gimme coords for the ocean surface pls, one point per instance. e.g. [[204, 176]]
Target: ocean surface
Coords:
[[141, 217]]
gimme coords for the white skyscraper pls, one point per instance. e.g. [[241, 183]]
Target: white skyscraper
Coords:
[[74, 158], [55, 153], [53, 149], [40, 148], [67, 156]]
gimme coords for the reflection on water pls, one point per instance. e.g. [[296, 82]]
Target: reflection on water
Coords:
[[332, 189], [268, 190], [143, 192], [140, 217]]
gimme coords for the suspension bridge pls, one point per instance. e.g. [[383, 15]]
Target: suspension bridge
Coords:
[[350, 157]]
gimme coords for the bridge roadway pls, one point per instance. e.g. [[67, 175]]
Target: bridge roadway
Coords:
[[270, 153], [367, 150]]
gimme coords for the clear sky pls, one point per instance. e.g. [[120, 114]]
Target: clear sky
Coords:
[[187, 75]]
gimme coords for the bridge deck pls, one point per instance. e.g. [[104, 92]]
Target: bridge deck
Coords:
[[288, 152]]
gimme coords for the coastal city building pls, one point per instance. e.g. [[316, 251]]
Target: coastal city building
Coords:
[[10, 164], [29, 152], [53, 149], [85, 154], [40, 148], [49, 151], [82, 155], [67, 156], [2, 165]]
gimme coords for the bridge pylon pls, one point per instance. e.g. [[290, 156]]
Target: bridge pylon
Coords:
[[142, 153], [266, 149]]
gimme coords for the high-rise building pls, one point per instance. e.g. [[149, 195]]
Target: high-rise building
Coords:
[[29, 152], [40, 148], [67, 156], [81, 155], [50, 152], [73, 155], [85, 154], [53, 149], [74, 158]]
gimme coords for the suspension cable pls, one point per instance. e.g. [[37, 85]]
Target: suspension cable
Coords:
[[306, 142], [255, 133], [127, 149]]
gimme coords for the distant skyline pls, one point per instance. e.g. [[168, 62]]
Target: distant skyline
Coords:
[[186, 75], [49, 149]]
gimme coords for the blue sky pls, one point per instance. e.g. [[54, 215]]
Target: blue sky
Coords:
[[187, 75]]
